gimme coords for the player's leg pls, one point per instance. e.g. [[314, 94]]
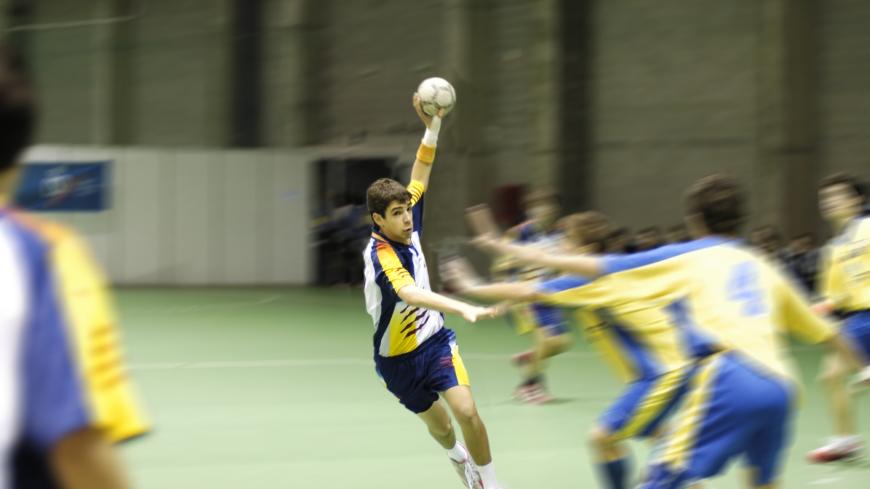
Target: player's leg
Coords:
[[437, 419], [846, 444], [407, 379], [462, 406], [451, 380], [638, 413]]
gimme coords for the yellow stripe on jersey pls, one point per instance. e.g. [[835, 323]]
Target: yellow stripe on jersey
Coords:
[[403, 333], [654, 402], [114, 404], [605, 342], [416, 188], [688, 423], [392, 266]]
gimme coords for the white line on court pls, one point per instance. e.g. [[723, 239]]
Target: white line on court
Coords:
[[315, 362], [823, 481], [202, 307]]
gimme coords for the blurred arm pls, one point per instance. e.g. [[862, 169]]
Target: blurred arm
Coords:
[[586, 266]]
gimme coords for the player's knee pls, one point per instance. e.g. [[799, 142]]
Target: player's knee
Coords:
[[600, 439], [441, 430], [465, 413]]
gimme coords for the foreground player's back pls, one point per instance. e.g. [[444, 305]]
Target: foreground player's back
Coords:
[[733, 294]]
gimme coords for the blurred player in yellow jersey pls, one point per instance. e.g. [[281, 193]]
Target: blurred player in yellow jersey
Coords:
[[845, 289], [742, 399], [546, 324], [65, 398], [645, 342], [416, 357]]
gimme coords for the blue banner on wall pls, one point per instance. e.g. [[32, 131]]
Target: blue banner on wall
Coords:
[[64, 187]]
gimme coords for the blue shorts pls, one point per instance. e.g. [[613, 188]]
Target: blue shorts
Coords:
[[531, 317], [730, 411], [645, 404], [857, 328], [417, 377]]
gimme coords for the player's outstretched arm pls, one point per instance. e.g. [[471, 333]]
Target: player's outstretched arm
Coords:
[[586, 266], [426, 154], [417, 297], [458, 274]]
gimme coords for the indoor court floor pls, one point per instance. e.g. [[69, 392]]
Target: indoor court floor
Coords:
[[275, 388]]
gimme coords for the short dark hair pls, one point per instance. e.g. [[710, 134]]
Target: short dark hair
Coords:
[[17, 108], [720, 200], [843, 178], [541, 195], [593, 227], [384, 192]]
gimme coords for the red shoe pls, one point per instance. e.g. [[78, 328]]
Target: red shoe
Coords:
[[836, 450]]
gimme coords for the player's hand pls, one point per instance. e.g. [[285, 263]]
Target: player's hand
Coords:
[[427, 119], [474, 314], [488, 243], [458, 274]]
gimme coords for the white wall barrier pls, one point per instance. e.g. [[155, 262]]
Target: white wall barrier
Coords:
[[197, 217]]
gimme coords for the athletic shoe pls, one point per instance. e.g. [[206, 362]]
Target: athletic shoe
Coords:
[[837, 449], [533, 394], [467, 471]]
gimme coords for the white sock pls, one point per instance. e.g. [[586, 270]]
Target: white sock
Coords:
[[487, 476], [457, 453]]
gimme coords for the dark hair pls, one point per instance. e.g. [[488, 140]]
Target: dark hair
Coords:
[[843, 178], [594, 228], [384, 192], [720, 200], [17, 108], [541, 195]]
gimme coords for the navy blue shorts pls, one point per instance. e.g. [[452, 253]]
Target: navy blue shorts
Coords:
[[857, 328], [731, 411], [417, 377]]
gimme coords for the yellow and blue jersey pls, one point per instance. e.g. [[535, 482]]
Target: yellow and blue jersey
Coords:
[[389, 266], [639, 337], [529, 317], [846, 272], [727, 292], [61, 366]]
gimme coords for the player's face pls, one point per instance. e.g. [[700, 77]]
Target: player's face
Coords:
[[839, 202], [398, 223]]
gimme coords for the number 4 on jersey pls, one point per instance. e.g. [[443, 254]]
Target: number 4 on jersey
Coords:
[[744, 287]]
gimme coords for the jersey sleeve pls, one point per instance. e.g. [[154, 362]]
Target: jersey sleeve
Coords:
[[572, 291], [797, 316], [53, 402], [417, 204], [87, 307], [392, 275]]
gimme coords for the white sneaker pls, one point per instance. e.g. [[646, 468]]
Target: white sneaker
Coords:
[[836, 449], [467, 471]]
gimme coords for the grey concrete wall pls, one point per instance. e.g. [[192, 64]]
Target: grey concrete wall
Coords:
[[168, 69], [675, 98], [844, 86]]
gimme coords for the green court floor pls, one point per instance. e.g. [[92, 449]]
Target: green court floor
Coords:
[[275, 388]]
